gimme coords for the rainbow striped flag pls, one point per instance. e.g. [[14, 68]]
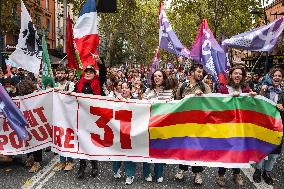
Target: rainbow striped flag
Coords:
[[215, 128]]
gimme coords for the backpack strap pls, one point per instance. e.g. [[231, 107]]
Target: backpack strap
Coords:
[[202, 86], [182, 88], [67, 86]]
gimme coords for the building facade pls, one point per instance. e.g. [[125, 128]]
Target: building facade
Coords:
[[59, 21], [274, 11], [260, 61], [42, 13]]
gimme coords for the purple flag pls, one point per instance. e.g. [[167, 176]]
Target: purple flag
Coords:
[[263, 38], [209, 53], [167, 37], [12, 113]]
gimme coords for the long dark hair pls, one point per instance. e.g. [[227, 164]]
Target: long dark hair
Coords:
[[244, 74], [165, 83]]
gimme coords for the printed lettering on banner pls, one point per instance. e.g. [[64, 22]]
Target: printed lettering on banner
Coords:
[[39, 127], [64, 124], [107, 129]]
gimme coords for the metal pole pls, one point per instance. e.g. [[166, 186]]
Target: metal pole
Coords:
[[64, 24], [1, 28], [266, 54]]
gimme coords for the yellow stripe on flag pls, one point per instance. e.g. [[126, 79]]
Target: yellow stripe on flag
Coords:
[[225, 130]]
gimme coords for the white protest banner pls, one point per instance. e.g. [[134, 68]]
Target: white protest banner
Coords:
[[37, 109], [205, 131], [100, 128]]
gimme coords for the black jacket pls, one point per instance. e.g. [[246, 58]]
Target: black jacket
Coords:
[[280, 101], [102, 78]]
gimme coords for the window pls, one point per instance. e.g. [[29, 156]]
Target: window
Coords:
[[15, 39], [47, 25], [47, 5], [14, 12]]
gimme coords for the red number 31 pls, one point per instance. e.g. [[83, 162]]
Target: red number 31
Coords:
[[124, 116]]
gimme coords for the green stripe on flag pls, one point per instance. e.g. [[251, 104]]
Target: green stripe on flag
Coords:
[[216, 104]]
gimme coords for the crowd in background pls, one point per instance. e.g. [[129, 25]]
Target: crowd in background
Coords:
[[169, 83]]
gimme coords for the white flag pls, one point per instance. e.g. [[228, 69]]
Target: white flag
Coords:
[[28, 53]]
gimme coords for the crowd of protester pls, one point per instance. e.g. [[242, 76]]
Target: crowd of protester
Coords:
[[120, 82]]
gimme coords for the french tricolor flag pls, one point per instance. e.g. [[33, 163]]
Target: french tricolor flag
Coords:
[[86, 33]]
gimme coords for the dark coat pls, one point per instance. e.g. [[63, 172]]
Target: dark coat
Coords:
[[102, 79], [280, 101]]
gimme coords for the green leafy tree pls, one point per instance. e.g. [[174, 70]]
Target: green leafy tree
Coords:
[[9, 17], [224, 16], [132, 33]]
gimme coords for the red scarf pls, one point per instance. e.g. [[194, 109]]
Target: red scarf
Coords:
[[94, 84]]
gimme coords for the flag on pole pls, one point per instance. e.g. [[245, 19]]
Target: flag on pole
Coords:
[[167, 37], [47, 75], [70, 49], [263, 38], [12, 113], [209, 53], [154, 65], [28, 53], [86, 33]]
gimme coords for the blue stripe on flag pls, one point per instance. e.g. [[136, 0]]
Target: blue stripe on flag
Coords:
[[89, 6]]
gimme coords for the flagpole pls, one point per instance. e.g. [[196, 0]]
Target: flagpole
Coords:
[[1, 30], [62, 59], [266, 54], [64, 24]]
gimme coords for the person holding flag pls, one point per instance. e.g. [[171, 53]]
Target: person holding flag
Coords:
[[196, 86], [159, 90], [274, 92], [236, 86], [90, 83]]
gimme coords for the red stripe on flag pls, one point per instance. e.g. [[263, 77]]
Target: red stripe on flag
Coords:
[[217, 117], [70, 49], [87, 46]]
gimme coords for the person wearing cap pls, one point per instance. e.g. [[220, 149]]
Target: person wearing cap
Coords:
[[91, 83]]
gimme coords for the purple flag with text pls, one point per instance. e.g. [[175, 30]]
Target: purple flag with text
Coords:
[[12, 113], [167, 37], [209, 53], [263, 38]]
